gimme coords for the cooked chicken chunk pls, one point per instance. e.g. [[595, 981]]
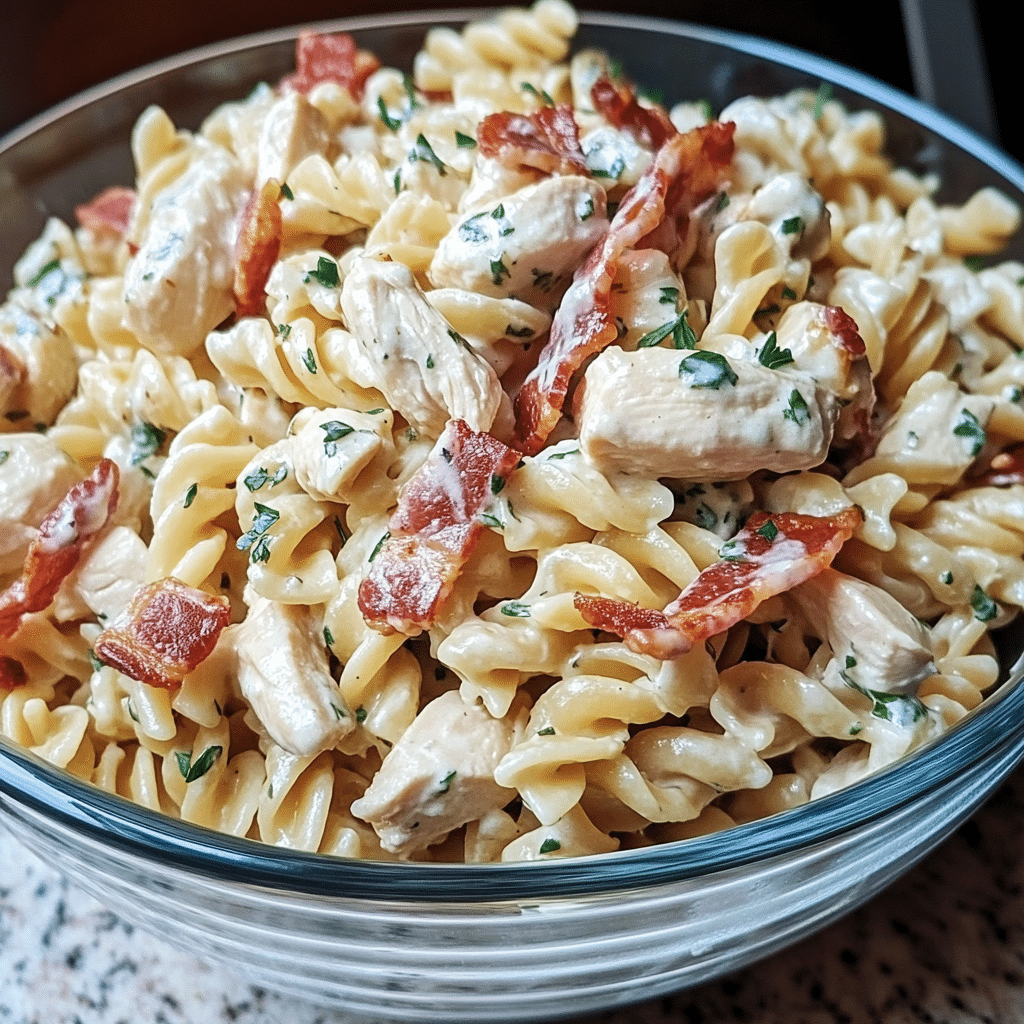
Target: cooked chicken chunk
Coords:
[[284, 675], [700, 416], [179, 285], [439, 775], [410, 353], [293, 130], [106, 579], [526, 245], [34, 476], [877, 641]]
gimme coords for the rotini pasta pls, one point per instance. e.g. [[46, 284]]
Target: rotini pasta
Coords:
[[504, 465]]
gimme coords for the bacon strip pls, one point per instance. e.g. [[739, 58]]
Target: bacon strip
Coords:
[[257, 248], [649, 125], [329, 58], [111, 210], [763, 560], [165, 632], [434, 530], [686, 170], [845, 329], [54, 553], [12, 673], [547, 140]]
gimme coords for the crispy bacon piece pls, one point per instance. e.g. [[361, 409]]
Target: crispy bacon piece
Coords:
[[434, 530], [773, 553], [257, 248], [844, 327], [1005, 469], [55, 552], [329, 58], [685, 170], [111, 210], [164, 633], [12, 673], [547, 140], [649, 125]]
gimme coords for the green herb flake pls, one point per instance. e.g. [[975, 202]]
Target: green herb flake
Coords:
[[823, 95], [585, 207], [705, 369], [680, 330], [792, 225], [499, 271], [146, 440], [396, 181], [561, 455], [550, 845], [328, 637], [797, 412], [548, 731], [389, 122], [263, 519], [515, 610], [190, 495], [326, 273], [769, 531], [430, 362], [491, 520], [286, 192], [984, 608], [538, 93], [772, 356], [334, 431], [974, 263], [669, 296], [310, 360], [705, 516], [788, 293], [459, 339], [446, 782], [722, 202], [968, 426], [376, 551], [284, 330], [43, 271], [946, 577], [4, 455], [497, 483], [360, 714], [192, 770], [94, 661], [464, 141], [424, 152]]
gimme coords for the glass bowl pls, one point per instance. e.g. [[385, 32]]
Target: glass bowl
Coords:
[[514, 941]]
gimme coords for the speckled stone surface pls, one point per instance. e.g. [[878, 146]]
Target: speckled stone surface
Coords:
[[945, 944]]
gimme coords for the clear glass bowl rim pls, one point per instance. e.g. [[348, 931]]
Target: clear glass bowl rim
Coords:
[[27, 780]]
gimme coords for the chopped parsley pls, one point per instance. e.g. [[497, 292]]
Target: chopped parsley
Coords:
[[376, 551], [984, 608], [286, 192], [391, 123], [515, 610], [44, 271], [547, 731], [539, 93], [424, 152], [792, 225], [823, 95], [284, 330], [974, 263], [326, 273], [146, 440], [946, 577], [334, 431], [797, 411], [769, 531], [192, 770], [550, 845], [360, 714], [310, 360], [722, 202], [772, 356], [430, 361], [263, 519], [254, 481], [680, 330], [969, 427], [519, 332], [488, 519], [707, 370], [5, 455], [497, 483], [464, 141], [328, 637], [446, 782], [190, 494], [499, 271], [705, 516], [788, 293], [669, 296], [585, 207]]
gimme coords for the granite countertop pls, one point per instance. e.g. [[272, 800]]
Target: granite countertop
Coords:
[[943, 944]]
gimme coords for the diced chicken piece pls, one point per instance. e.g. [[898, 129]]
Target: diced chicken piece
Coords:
[[876, 641], [699, 416], [178, 287], [527, 245], [439, 775], [110, 573], [408, 351], [935, 436], [284, 674], [38, 368], [331, 449], [293, 129], [34, 475], [796, 214]]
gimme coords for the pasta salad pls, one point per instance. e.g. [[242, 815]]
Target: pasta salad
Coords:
[[490, 463]]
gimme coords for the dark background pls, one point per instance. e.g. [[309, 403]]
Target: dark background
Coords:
[[51, 50]]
